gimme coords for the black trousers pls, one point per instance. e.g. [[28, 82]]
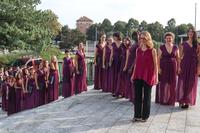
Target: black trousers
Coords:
[[142, 99]]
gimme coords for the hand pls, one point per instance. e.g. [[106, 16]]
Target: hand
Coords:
[[95, 63], [104, 66], [179, 71], [156, 82], [198, 71], [110, 64], [37, 88], [77, 72], [125, 68], [159, 71], [131, 80]]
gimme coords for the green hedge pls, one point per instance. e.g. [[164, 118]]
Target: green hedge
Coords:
[[49, 52], [8, 59]]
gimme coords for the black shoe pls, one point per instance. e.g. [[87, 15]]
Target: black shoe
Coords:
[[186, 106], [136, 119], [144, 120]]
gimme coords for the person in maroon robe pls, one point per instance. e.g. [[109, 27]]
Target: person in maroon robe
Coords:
[[98, 60], [29, 81], [80, 64], [116, 61], [11, 96], [188, 71], [46, 76], [123, 77], [54, 78], [5, 91], [107, 63], [168, 64], [41, 83], [19, 91], [37, 91], [68, 75], [130, 65]]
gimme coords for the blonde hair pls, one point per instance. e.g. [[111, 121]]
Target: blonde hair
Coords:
[[54, 63], [147, 36]]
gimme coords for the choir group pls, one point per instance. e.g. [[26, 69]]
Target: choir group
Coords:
[[122, 67], [130, 70], [27, 88]]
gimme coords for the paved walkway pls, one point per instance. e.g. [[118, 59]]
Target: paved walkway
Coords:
[[98, 112]]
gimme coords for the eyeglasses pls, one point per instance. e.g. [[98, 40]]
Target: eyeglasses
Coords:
[[142, 38]]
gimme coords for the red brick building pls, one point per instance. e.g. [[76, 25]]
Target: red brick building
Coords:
[[83, 23]]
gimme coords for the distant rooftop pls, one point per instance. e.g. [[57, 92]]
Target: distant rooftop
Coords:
[[84, 18]]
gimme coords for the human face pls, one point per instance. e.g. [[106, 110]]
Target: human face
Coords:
[[46, 63], [41, 66], [190, 33], [115, 38], [103, 38], [142, 39], [110, 40], [32, 71], [80, 46], [54, 59], [26, 71], [169, 39]]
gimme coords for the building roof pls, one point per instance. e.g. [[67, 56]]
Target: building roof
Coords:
[[185, 35], [84, 18]]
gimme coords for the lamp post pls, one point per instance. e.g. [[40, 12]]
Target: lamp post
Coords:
[[195, 20], [95, 33]]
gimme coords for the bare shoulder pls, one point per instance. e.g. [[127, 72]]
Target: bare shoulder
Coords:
[[154, 51]]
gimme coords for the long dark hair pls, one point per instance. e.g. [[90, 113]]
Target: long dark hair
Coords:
[[128, 39], [117, 35], [100, 36], [194, 38], [135, 35]]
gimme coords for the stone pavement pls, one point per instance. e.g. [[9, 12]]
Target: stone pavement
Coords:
[[98, 112]]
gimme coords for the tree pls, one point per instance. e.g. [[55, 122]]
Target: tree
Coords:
[[171, 26], [91, 32], [132, 25], [181, 29], [106, 26], [51, 20], [71, 38], [65, 37], [24, 27], [76, 38], [143, 26], [156, 30], [120, 26]]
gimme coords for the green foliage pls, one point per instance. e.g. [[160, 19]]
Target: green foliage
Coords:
[[71, 38], [120, 26], [24, 27], [132, 26], [91, 32], [8, 59], [49, 52], [106, 26], [156, 44], [156, 30]]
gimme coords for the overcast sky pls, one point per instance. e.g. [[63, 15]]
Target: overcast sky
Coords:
[[69, 11]]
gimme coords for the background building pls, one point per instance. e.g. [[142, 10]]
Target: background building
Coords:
[[83, 23]]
